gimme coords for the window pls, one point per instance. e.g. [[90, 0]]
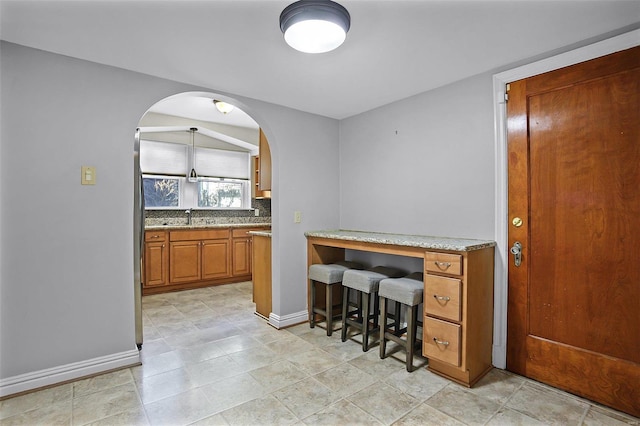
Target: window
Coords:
[[161, 191], [221, 193]]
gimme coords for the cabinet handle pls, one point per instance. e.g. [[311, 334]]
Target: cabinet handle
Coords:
[[443, 265], [163, 246], [440, 342], [155, 236], [444, 298]]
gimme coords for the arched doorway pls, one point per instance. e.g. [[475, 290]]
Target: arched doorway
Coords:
[[195, 122]]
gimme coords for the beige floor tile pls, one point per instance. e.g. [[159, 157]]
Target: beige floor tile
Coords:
[[153, 348], [345, 379], [313, 361], [379, 368], [306, 397], [546, 405], [200, 353], [158, 364], [424, 415], [599, 416], [464, 406], [344, 351], [53, 414], [181, 409], [278, 375], [498, 385], [134, 417], [233, 391], [383, 402], [255, 358], [21, 404], [507, 416], [213, 370], [262, 411], [267, 334], [215, 420], [298, 329], [177, 328], [105, 403], [289, 345], [163, 385], [420, 383], [342, 412], [238, 343], [101, 382]]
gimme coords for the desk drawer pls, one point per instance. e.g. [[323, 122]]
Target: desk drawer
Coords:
[[442, 341], [443, 263], [443, 297], [203, 234]]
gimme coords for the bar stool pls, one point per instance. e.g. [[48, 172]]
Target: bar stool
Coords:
[[328, 275], [365, 283], [408, 292]]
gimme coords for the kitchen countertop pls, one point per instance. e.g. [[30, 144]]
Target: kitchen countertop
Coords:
[[206, 226], [260, 233], [421, 241]]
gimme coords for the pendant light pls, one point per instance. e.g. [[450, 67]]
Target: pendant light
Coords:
[[193, 176], [315, 26]]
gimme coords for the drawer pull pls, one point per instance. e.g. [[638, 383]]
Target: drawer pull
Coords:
[[155, 236], [442, 265], [440, 342], [443, 298]]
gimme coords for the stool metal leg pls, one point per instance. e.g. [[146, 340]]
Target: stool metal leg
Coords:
[[329, 308], [345, 304], [383, 326], [312, 320]]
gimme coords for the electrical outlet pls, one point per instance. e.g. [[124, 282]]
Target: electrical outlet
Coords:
[[256, 212], [297, 217]]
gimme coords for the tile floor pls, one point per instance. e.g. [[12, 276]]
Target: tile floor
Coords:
[[208, 360]]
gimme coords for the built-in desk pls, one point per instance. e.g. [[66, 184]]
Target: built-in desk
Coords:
[[458, 296]]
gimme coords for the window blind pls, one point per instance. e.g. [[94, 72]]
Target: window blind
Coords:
[[163, 158], [222, 163]]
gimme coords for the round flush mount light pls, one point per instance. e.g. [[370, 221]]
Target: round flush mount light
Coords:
[[315, 26], [223, 107]]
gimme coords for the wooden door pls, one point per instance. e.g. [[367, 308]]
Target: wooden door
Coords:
[[216, 259], [185, 261], [574, 181], [241, 263]]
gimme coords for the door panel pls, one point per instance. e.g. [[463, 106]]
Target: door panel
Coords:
[[574, 179]]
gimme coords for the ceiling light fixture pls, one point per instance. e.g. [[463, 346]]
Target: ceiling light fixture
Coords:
[[315, 26], [223, 107], [193, 176]]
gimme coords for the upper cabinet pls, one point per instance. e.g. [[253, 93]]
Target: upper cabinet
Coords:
[[264, 170]]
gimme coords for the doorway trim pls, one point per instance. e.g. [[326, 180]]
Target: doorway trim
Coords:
[[592, 51]]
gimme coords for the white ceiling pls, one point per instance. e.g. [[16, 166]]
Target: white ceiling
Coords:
[[394, 49]]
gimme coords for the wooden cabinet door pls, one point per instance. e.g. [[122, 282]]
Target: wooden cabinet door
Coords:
[[156, 263], [185, 261], [264, 174], [216, 259], [241, 256]]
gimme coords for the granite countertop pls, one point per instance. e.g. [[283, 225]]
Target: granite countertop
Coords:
[[422, 241], [206, 226], [260, 233]]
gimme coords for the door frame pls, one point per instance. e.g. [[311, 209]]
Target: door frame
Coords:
[[592, 51]]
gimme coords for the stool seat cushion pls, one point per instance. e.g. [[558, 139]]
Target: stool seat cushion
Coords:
[[332, 273], [407, 290], [369, 280]]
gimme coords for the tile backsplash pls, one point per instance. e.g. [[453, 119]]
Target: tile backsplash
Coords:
[[211, 217]]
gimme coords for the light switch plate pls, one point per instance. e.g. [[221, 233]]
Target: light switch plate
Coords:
[[88, 176], [297, 217]]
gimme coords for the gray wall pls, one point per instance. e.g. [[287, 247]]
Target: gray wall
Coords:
[[66, 277], [423, 165]]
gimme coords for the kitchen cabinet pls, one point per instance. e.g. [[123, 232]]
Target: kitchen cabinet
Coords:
[[255, 191], [156, 254], [264, 167], [179, 259], [262, 273], [199, 255]]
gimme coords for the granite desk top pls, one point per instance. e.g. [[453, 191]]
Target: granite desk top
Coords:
[[421, 241]]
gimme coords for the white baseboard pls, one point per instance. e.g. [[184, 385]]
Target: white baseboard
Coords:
[[63, 373], [286, 320]]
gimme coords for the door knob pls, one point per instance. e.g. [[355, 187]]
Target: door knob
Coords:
[[516, 251]]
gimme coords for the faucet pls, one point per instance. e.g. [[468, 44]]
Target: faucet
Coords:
[[188, 212]]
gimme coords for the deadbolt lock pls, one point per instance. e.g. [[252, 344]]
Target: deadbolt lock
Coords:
[[517, 222]]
